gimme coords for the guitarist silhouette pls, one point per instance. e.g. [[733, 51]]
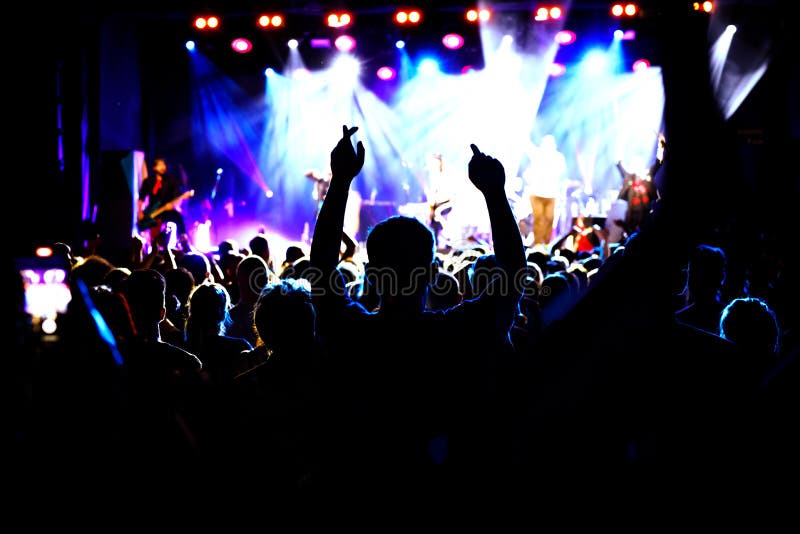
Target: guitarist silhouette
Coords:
[[160, 198]]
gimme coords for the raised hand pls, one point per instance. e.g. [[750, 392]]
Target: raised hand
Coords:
[[346, 162], [486, 172]]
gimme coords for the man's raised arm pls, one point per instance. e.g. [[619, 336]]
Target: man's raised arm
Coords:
[[346, 163], [488, 175]]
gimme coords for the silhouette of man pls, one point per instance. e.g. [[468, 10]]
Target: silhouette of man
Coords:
[[395, 395]]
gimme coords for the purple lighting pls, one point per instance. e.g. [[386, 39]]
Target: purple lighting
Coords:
[[322, 42]]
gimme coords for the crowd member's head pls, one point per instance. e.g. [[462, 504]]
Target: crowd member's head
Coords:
[[706, 272], [259, 246], [252, 275], [208, 310], [752, 325], [92, 270], [401, 259], [145, 292], [284, 315]]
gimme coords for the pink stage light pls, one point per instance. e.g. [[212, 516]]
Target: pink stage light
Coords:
[[565, 37], [453, 41], [556, 69], [345, 43], [640, 65], [386, 73], [241, 45]]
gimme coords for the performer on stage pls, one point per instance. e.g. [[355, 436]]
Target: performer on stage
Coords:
[[160, 199], [639, 190], [545, 180]]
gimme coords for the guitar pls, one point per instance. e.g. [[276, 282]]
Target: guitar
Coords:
[[151, 214]]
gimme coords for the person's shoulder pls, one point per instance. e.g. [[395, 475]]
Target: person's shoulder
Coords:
[[238, 344], [178, 357]]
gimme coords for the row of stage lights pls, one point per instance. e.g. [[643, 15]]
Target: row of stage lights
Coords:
[[412, 17], [429, 66]]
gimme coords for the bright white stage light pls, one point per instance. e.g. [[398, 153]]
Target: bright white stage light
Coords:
[[428, 66]]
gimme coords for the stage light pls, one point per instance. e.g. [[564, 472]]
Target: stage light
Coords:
[[542, 14], [386, 73], [428, 66], [730, 28], [44, 252], [618, 34], [708, 7], [506, 40], [293, 44], [626, 10], [400, 44], [475, 15], [467, 69], [320, 42], [301, 73], [556, 69], [595, 62], [269, 71], [345, 43], [640, 65], [270, 21], [206, 23], [346, 67], [555, 13], [453, 41], [241, 45], [339, 20], [412, 16], [565, 37], [190, 46]]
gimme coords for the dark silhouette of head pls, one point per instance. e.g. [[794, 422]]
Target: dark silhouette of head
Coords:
[[284, 315], [706, 272], [293, 253], [92, 270], [252, 275], [145, 292], [208, 309], [198, 265], [752, 325], [401, 259], [259, 245], [227, 246]]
